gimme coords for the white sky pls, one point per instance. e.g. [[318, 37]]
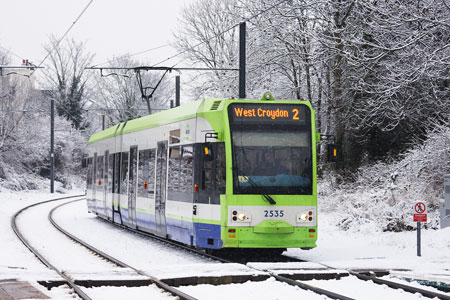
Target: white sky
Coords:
[[110, 27]]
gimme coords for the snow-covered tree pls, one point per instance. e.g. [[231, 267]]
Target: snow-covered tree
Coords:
[[399, 68], [67, 78], [208, 36], [15, 92], [377, 72]]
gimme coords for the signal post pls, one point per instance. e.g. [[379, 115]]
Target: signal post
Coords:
[[419, 217]]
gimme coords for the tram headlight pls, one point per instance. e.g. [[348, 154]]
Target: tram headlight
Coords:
[[240, 216], [306, 216]]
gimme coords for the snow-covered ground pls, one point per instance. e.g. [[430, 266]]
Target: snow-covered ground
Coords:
[[366, 248]]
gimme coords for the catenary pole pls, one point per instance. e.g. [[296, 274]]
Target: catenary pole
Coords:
[[52, 142], [419, 252], [242, 56], [177, 91]]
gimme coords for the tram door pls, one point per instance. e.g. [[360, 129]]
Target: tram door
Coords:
[[105, 182], [132, 188], [161, 182], [115, 212], [94, 182]]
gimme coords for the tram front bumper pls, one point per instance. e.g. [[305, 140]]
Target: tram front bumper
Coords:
[[265, 236]]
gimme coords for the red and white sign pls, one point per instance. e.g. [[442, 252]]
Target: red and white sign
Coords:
[[421, 215], [420, 207]]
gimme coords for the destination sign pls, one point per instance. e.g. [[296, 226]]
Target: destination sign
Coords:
[[275, 113]]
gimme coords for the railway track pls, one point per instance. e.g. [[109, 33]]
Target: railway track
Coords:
[[74, 284], [166, 286], [27, 244], [365, 275], [291, 279]]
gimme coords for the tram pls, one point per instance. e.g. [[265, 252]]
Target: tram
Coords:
[[212, 174]]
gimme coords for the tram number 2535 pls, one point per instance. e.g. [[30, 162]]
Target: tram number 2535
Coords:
[[273, 213]]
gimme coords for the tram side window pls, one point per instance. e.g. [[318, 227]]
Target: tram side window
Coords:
[[116, 173], [142, 173], [105, 169], [89, 173], [99, 175], [146, 173], [207, 174], [174, 136], [174, 169], [94, 171], [213, 168], [124, 173], [133, 169], [150, 163], [186, 176], [110, 172], [220, 168]]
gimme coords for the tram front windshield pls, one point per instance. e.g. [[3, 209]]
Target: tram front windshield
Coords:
[[272, 162]]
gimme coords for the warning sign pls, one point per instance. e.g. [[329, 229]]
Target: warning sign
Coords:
[[420, 208], [421, 215]]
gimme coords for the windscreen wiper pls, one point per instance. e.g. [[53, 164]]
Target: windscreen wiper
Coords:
[[267, 197]]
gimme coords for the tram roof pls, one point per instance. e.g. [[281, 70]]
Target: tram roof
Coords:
[[187, 111], [184, 112]]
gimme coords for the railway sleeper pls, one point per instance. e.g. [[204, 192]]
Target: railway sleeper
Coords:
[[49, 284]]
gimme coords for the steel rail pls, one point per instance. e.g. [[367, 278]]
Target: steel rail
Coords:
[[401, 286], [395, 285], [287, 280], [41, 258], [159, 283], [168, 242], [312, 288]]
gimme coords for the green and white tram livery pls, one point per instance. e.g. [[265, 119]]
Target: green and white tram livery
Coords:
[[211, 174]]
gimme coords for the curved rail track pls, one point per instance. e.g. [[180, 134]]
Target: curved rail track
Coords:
[[280, 278], [68, 280], [19, 234], [116, 261]]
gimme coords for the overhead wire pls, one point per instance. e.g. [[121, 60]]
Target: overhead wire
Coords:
[[9, 51], [64, 35], [131, 55], [83, 109], [57, 44], [151, 49], [224, 31], [197, 45]]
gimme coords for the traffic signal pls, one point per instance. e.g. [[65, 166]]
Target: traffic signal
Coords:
[[331, 153]]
